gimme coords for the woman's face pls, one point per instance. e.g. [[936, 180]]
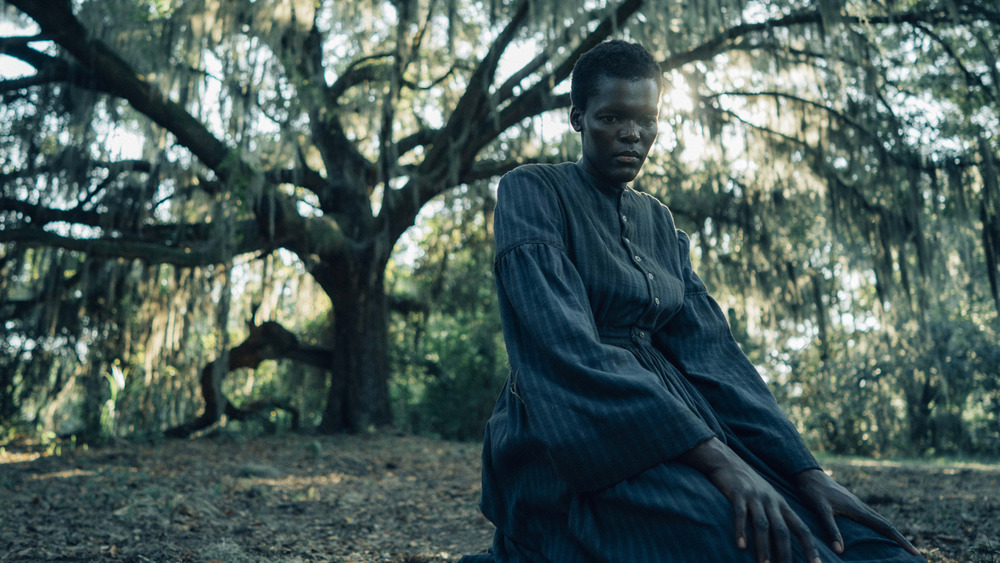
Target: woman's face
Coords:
[[618, 128]]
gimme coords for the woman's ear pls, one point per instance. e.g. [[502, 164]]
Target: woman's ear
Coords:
[[576, 119]]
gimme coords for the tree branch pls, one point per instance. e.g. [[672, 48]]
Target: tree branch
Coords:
[[44, 215], [151, 252], [348, 172], [444, 162], [718, 43], [484, 170], [907, 159], [971, 79], [114, 75], [268, 341], [302, 177], [474, 104], [539, 98], [49, 69]]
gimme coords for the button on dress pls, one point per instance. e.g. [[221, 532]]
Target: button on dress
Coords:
[[620, 361]]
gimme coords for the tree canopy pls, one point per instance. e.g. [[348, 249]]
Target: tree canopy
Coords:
[[170, 166]]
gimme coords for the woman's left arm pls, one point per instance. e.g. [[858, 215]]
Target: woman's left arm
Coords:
[[698, 341]]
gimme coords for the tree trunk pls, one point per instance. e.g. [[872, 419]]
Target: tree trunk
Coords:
[[359, 390]]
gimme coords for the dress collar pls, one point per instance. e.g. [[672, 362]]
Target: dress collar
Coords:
[[597, 182]]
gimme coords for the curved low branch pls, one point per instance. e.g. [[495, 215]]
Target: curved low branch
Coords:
[[268, 341]]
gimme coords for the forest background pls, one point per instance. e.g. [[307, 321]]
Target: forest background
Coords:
[[305, 188]]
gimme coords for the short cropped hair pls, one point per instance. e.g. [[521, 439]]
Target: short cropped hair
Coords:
[[615, 59]]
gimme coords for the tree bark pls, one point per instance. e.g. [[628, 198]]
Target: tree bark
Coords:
[[358, 396]]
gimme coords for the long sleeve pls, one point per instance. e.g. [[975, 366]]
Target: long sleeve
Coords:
[[600, 414], [698, 341]]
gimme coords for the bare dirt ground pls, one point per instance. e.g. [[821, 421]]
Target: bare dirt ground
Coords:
[[371, 498]]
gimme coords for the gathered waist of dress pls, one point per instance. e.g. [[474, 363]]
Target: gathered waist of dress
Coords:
[[625, 335]]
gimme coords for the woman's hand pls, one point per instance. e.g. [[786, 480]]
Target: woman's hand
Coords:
[[774, 523], [828, 499]]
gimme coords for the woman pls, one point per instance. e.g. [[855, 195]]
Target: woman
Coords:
[[632, 428]]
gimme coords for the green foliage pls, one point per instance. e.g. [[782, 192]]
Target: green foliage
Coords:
[[452, 391], [448, 357], [927, 390]]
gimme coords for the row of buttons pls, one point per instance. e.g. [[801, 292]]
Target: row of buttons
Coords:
[[637, 334]]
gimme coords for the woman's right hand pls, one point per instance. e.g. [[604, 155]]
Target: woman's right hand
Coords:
[[754, 501]]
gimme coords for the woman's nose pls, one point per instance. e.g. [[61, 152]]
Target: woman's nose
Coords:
[[630, 131]]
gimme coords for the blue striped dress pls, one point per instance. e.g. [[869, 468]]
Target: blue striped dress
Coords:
[[620, 361]]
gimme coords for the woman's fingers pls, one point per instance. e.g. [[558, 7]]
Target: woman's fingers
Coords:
[[804, 535], [825, 512], [740, 524], [781, 539], [775, 525], [761, 531]]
